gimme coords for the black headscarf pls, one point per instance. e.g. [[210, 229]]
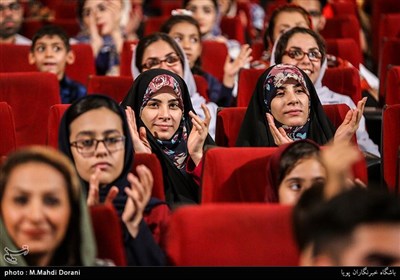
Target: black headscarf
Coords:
[[82, 106], [255, 131], [180, 188]]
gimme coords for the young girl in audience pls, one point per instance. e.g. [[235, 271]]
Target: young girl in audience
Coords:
[[285, 107], [94, 133], [102, 24], [292, 47], [186, 31], [168, 127], [43, 214], [159, 50]]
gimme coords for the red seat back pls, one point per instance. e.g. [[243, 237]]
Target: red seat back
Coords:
[[389, 56], [30, 95], [116, 87], [213, 58], [108, 233], [202, 86], [229, 121], [389, 27], [232, 28], [345, 81], [246, 84], [239, 235], [126, 58], [235, 174], [393, 86], [7, 127], [344, 48], [390, 145], [55, 114]]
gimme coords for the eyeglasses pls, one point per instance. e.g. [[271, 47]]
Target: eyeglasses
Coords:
[[87, 147], [152, 62], [298, 54], [12, 7]]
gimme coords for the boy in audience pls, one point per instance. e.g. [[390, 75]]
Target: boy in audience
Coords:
[[51, 52]]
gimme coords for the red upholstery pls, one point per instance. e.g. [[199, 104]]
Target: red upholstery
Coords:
[[389, 55], [390, 144], [213, 58], [115, 87], [345, 81], [14, 58], [229, 121], [108, 233], [70, 25], [30, 95], [246, 84], [55, 114], [153, 24], [235, 174], [389, 27], [7, 128], [393, 86], [257, 49], [232, 235], [344, 8], [378, 9], [344, 48], [30, 26], [126, 58], [342, 26], [202, 86], [232, 28], [152, 162]]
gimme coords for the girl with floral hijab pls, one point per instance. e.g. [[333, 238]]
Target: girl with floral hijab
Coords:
[[181, 148], [300, 114]]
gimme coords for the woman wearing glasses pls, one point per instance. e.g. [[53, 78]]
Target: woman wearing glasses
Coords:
[[159, 50], [306, 49], [95, 135], [285, 107], [164, 115]]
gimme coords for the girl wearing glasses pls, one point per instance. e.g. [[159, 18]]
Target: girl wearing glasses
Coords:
[[306, 49], [159, 50], [285, 107], [94, 134], [163, 113]]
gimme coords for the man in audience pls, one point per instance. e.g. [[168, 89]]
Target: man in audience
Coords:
[[51, 52], [11, 17], [357, 227]]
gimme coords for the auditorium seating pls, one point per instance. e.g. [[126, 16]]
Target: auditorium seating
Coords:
[[7, 127]]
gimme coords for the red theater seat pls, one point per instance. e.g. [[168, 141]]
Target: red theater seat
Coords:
[[7, 127], [213, 58], [55, 114], [229, 121], [116, 87], [232, 235], [393, 86]]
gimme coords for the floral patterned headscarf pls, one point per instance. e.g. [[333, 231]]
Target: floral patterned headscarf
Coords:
[[275, 79]]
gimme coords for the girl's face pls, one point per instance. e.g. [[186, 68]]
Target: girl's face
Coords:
[[89, 153], [306, 172], [160, 54], [36, 210], [287, 20], [162, 114], [205, 13], [104, 14], [290, 106], [188, 37], [305, 43]]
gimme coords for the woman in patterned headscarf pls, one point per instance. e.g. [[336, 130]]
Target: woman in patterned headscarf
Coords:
[[285, 107], [164, 114]]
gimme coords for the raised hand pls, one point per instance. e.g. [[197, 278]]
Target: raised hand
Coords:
[[139, 195], [231, 68], [139, 138], [279, 134], [93, 195], [198, 135], [351, 122]]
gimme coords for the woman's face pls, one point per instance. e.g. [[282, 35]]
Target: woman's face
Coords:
[[287, 20], [162, 114], [35, 208], [290, 106], [205, 13], [159, 51], [106, 15], [108, 155], [189, 39], [305, 173], [306, 44]]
